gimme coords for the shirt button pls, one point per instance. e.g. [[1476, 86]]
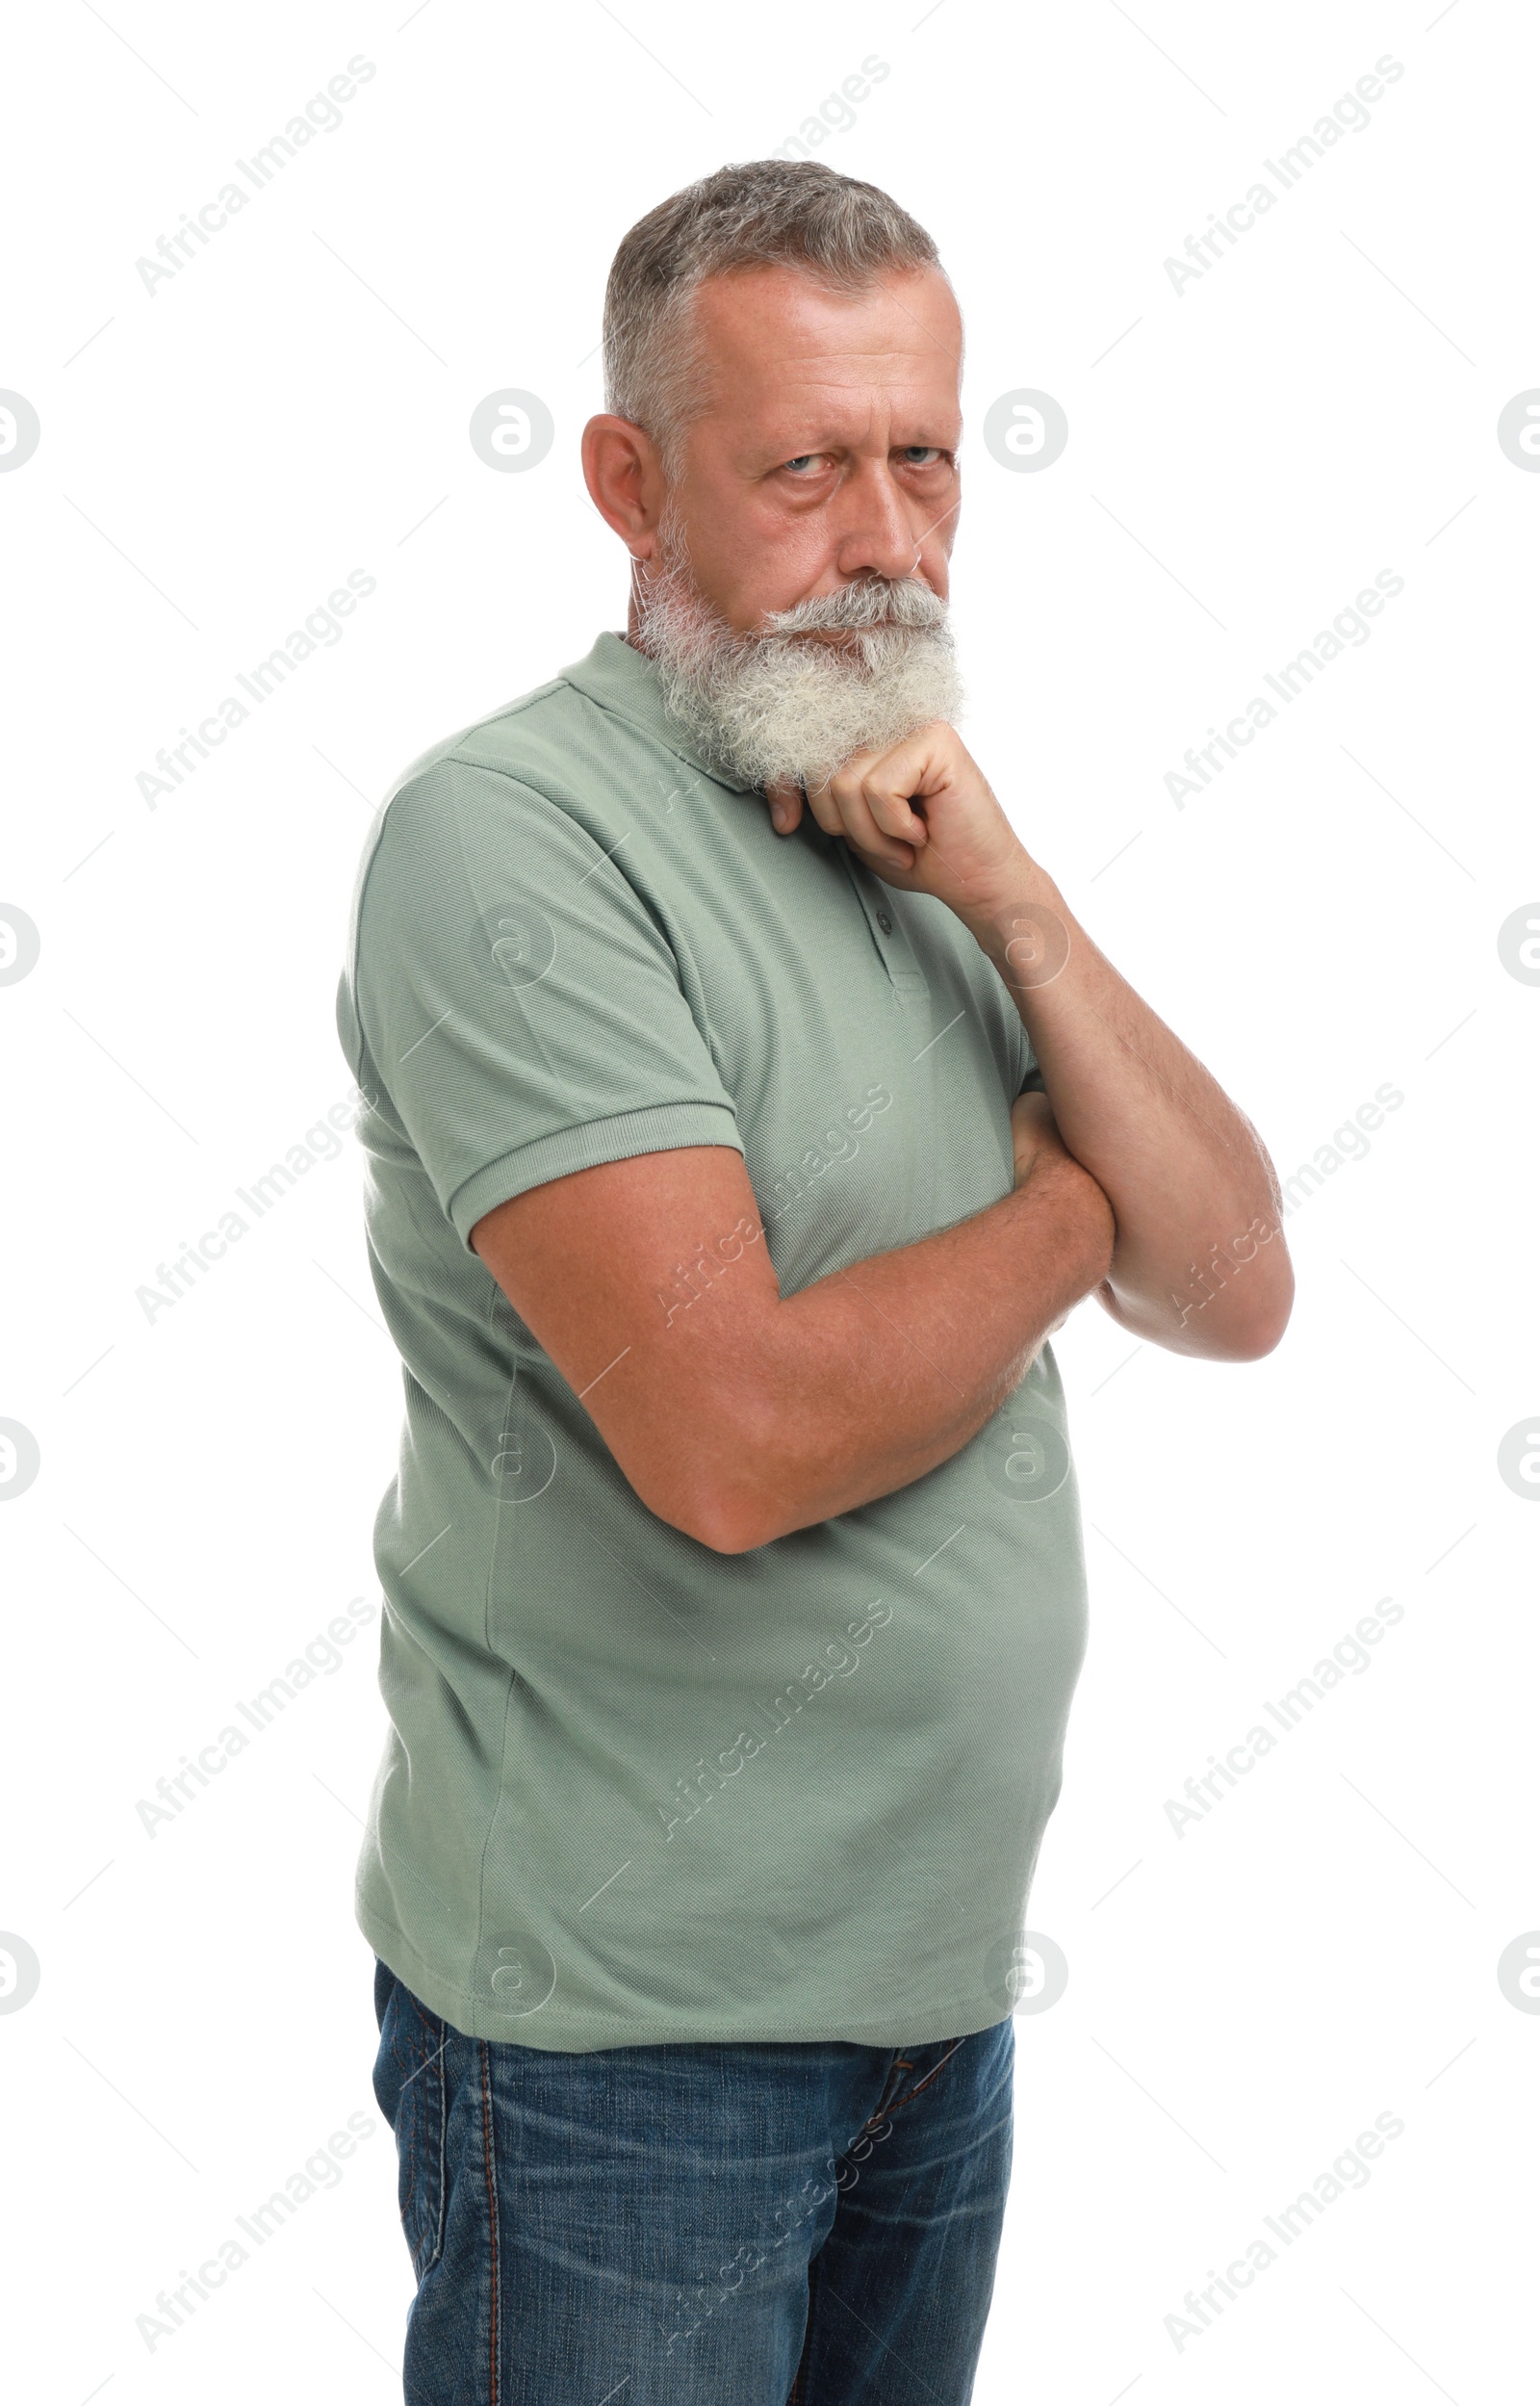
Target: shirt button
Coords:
[[885, 922]]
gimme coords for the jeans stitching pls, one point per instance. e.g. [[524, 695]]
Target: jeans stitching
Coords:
[[420, 2155], [442, 2134], [922, 2086], [489, 2158]]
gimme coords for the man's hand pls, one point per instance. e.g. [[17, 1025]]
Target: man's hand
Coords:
[[1200, 1264], [921, 815], [1034, 1134], [1042, 1152], [737, 1414]]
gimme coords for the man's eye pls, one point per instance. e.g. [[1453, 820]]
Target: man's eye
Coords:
[[804, 460], [921, 454]]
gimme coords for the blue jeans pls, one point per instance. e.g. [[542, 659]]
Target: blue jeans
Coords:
[[753, 2224]]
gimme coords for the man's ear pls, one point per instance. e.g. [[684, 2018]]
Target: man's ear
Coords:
[[625, 479]]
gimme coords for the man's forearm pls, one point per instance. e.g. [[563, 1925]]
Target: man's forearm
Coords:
[[1200, 1264], [871, 1377]]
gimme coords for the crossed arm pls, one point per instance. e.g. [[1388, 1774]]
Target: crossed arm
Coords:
[[747, 1414]]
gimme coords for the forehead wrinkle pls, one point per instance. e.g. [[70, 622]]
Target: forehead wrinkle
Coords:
[[840, 402]]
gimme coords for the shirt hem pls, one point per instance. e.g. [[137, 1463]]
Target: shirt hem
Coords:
[[555, 2033]]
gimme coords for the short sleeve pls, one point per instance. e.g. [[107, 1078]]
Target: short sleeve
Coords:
[[521, 1008]]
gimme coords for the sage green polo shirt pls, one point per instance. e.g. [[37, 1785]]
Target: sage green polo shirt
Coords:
[[634, 1790]]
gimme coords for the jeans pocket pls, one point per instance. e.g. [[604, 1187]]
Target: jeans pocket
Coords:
[[410, 2084]]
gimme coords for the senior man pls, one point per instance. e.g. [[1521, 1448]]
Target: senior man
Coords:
[[745, 1107]]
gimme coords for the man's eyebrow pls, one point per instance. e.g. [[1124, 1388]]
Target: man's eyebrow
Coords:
[[823, 439]]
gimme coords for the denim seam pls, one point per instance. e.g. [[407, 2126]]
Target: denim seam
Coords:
[[920, 2089], [442, 2133], [489, 2158]]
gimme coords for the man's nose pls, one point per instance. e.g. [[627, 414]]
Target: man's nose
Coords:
[[875, 536]]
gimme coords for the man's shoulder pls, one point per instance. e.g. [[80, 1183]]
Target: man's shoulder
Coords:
[[519, 739], [518, 791]]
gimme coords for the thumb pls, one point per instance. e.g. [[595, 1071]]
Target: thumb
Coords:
[[785, 797]]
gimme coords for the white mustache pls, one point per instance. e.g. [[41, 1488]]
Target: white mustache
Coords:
[[874, 601], [765, 705]]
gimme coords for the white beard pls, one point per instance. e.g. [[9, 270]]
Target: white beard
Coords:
[[771, 704]]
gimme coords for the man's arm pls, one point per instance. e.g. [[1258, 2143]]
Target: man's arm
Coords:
[[1200, 1264], [741, 1415]]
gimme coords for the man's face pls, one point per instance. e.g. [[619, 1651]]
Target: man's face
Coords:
[[826, 451], [793, 594]]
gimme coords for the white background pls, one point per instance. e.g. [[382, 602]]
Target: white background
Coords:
[[1244, 456]]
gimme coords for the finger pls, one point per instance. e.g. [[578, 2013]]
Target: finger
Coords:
[[887, 798], [891, 836], [920, 764], [785, 797], [825, 809]]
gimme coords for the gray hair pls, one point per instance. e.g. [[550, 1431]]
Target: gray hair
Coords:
[[770, 213]]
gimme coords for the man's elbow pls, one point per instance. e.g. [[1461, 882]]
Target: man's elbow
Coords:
[[721, 1521], [710, 1492], [1257, 1328]]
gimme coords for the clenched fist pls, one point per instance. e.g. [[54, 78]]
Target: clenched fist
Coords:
[[922, 816]]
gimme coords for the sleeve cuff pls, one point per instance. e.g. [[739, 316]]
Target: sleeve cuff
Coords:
[[663, 1128]]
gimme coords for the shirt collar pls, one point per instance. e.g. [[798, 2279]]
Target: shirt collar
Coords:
[[621, 678]]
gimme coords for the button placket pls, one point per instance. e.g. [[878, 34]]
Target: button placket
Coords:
[[892, 943]]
